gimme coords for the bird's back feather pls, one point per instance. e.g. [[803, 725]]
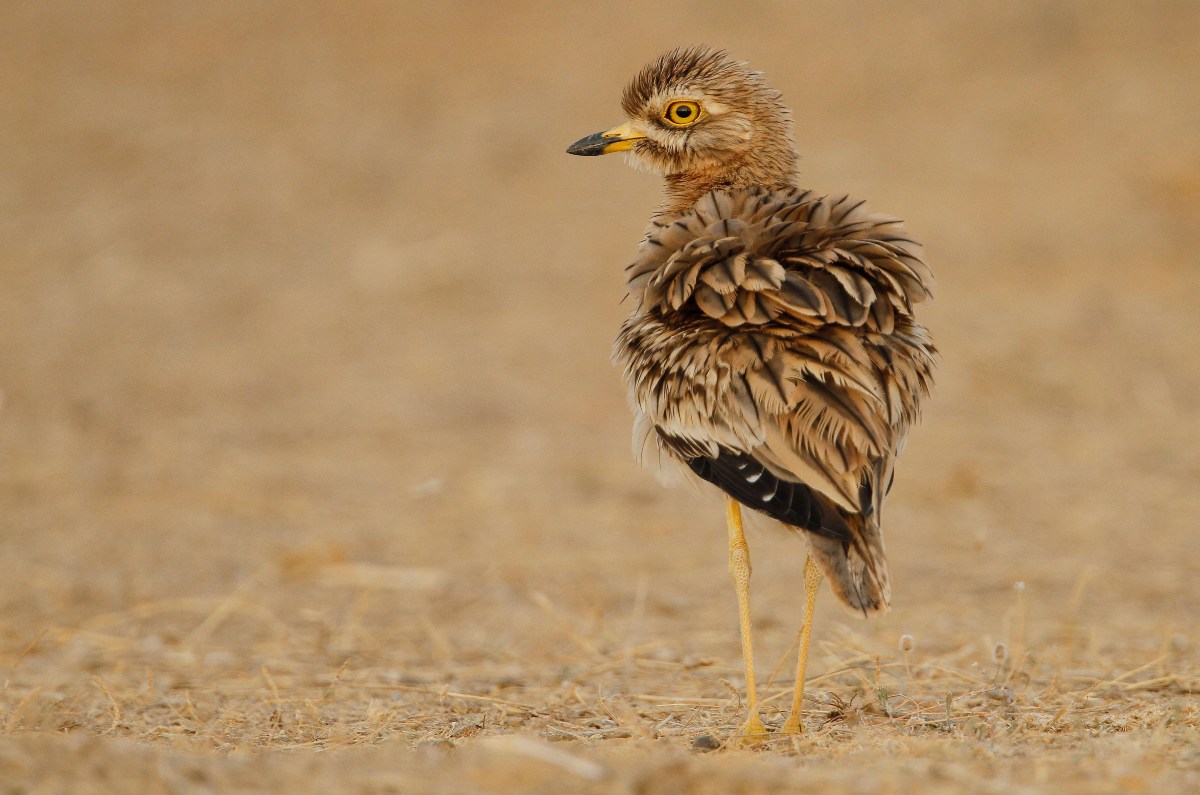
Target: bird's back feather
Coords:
[[773, 350]]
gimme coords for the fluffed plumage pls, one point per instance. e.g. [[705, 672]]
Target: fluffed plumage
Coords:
[[772, 349]]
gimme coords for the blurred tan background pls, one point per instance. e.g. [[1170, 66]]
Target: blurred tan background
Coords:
[[305, 321]]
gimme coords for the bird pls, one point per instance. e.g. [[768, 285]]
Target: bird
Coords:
[[772, 348]]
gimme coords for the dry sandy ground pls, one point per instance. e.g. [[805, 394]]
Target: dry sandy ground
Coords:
[[314, 472]]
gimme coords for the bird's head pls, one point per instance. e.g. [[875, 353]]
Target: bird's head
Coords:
[[696, 114]]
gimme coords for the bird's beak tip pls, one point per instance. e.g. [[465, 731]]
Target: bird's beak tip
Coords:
[[590, 145]]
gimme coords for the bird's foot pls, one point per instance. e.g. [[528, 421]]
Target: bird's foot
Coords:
[[793, 725], [752, 733]]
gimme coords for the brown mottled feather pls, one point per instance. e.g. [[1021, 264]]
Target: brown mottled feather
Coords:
[[772, 328], [757, 330]]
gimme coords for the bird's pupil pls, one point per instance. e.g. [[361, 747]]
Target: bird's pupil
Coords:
[[683, 112]]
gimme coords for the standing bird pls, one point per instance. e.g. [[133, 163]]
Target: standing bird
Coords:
[[772, 347]]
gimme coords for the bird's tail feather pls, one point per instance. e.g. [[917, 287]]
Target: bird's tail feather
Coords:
[[857, 568]]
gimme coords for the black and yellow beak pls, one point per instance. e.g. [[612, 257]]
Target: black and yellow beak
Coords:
[[618, 139]]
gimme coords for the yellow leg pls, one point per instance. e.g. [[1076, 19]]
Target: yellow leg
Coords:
[[812, 581], [739, 569]]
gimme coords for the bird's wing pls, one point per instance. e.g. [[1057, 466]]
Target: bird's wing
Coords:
[[774, 339]]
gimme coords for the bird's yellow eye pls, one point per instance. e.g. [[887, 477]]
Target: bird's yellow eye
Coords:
[[682, 113]]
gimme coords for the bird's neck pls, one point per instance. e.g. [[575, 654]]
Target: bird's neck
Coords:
[[682, 190]]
